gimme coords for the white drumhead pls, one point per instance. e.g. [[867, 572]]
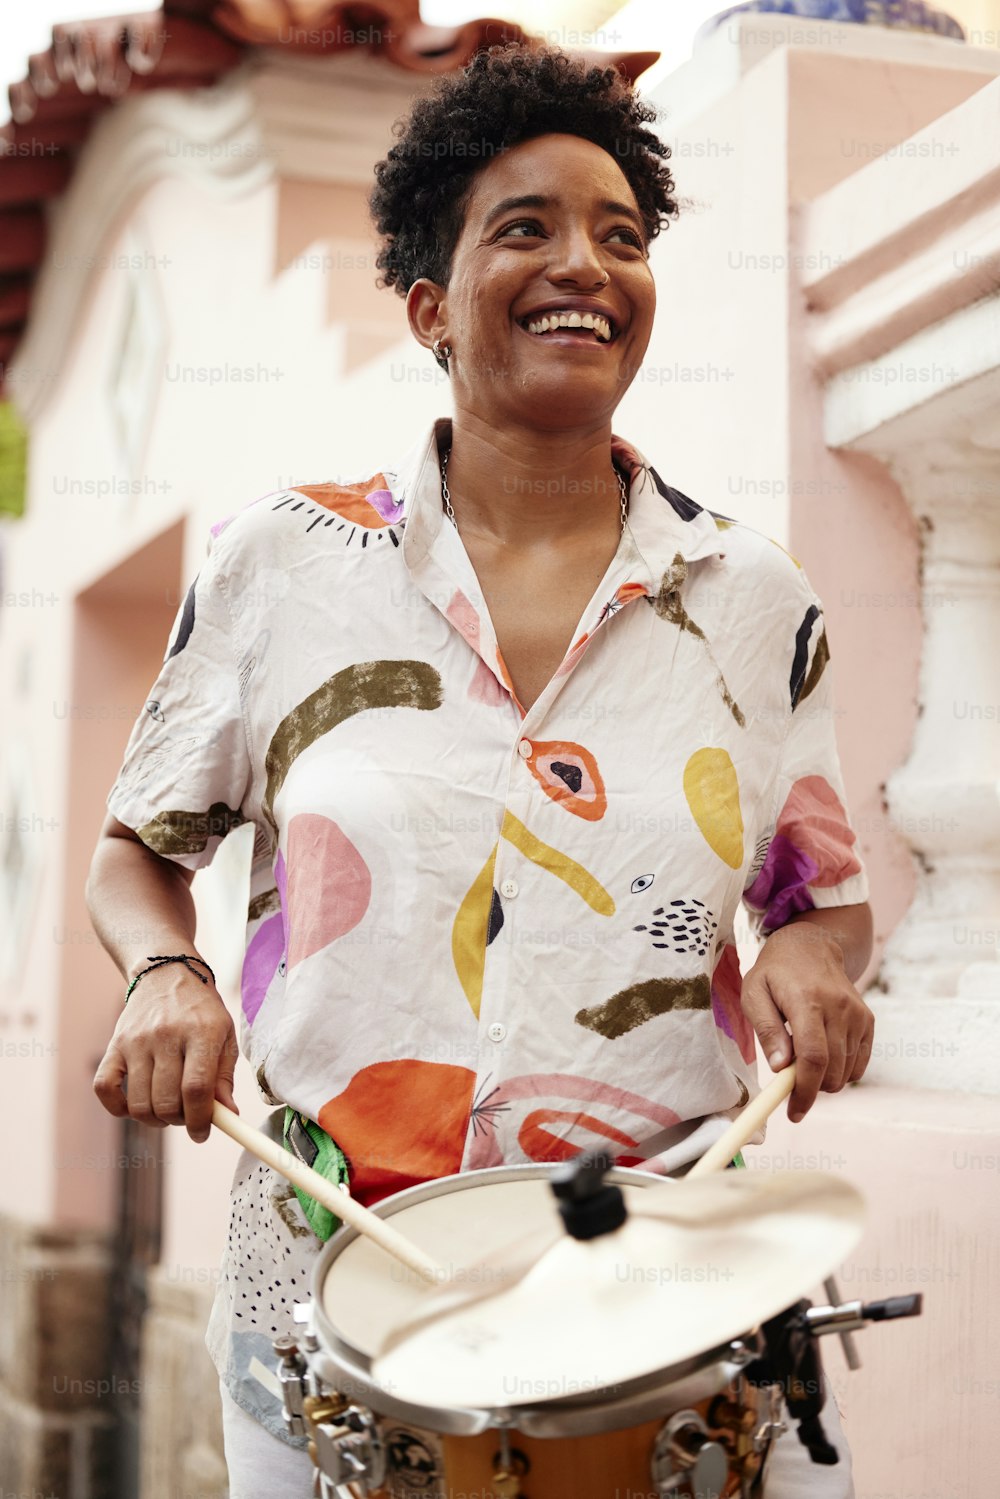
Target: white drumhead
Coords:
[[366, 1295]]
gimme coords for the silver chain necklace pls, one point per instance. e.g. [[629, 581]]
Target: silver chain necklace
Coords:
[[446, 493]]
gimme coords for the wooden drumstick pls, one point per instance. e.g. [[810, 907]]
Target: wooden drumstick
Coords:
[[718, 1156], [340, 1203]]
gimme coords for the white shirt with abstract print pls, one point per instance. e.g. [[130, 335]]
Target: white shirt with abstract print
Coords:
[[478, 935]]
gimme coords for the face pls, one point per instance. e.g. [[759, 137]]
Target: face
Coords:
[[578, 245]]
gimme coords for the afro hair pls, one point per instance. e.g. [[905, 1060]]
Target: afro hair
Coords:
[[506, 94]]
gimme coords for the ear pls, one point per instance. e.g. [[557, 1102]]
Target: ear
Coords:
[[425, 311]]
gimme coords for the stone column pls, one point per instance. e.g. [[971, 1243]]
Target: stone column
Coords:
[[939, 1013]]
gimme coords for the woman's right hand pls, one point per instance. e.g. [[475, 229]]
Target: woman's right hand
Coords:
[[174, 1049]]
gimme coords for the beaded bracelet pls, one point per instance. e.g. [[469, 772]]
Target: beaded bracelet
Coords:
[[158, 962]]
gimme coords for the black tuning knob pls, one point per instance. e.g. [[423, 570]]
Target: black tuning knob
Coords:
[[588, 1205], [896, 1306]]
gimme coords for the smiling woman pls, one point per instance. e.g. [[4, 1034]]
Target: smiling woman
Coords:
[[516, 212], [523, 728]]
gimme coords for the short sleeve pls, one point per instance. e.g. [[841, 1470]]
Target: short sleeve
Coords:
[[186, 771], [807, 856]]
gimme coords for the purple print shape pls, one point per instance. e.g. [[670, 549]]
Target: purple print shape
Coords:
[[260, 964], [382, 501], [781, 888]]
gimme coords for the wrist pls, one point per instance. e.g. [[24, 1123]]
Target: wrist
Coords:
[[157, 945], [187, 958], [806, 931]]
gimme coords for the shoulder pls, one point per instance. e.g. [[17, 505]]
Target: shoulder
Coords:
[[282, 520], [760, 562], [751, 557]]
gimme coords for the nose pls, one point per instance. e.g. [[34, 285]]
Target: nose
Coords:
[[575, 258]]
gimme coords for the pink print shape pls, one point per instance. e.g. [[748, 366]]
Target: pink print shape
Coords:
[[815, 822], [329, 885], [812, 845], [727, 988], [281, 880], [464, 617], [543, 1088], [484, 687], [260, 964]]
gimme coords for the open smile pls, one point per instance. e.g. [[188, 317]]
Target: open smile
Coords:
[[576, 335]]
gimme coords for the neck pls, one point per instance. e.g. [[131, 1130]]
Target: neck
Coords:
[[524, 488]]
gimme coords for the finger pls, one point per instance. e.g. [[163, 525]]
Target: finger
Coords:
[[227, 1071], [847, 1026], [108, 1081], [812, 1060], [842, 1043], [864, 1054], [165, 1087], [767, 1020], [198, 1091], [140, 1073]]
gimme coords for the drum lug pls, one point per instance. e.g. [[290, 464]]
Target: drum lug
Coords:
[[345, 1445], [292, 1375], [509, 1467], [743, 1351], [772, 1425], [687, 1459]]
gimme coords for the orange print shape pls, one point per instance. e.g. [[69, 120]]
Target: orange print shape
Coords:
[[568, 774], [400, 1122], [629, 591], [348, 500], [539, 1144]]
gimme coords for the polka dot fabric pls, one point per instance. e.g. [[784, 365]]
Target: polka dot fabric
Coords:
[[266, 1268]]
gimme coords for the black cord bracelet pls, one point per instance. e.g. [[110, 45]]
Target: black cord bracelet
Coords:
[[158, 962]]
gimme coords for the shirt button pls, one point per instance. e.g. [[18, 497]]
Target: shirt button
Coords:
[[509, 888], [497, 1031], [524, 748]]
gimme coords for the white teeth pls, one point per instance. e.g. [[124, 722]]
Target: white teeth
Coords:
[[599, 324]]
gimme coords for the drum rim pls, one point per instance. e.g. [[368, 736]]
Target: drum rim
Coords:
[[357, 1365]]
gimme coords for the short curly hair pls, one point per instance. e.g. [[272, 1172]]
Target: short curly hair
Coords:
[[505, 95]]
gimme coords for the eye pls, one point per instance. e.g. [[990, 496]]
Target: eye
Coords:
[[642, 883], [635, 237], [531, 224]]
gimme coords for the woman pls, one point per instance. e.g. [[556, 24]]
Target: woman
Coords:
[[524, 727]]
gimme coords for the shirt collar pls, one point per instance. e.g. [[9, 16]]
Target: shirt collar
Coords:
[[664, 525]]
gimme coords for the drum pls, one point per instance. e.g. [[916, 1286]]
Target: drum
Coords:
[[614, 1369]]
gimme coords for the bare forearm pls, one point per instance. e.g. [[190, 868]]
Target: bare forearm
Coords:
[[851, 928], [139, 904]]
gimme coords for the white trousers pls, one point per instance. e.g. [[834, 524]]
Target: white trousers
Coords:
[[263, 1467]]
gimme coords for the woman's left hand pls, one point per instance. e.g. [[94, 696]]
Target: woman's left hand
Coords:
[[799, 977]]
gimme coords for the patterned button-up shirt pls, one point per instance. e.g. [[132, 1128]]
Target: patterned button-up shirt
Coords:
[[477, 934]]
